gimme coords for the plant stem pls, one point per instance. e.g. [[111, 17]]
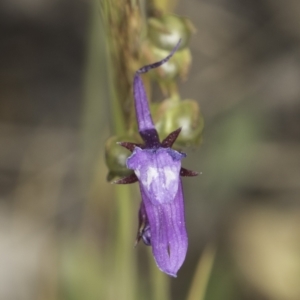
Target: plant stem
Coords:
[[125, 258]]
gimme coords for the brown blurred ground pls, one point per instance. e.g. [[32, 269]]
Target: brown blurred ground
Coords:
[[246, 77]]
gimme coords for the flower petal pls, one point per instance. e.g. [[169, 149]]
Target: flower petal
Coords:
[[158, 172], [143, 115], [168, 233]]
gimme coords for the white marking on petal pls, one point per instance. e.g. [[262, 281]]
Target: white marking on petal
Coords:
[[151, 175], [170, 175]]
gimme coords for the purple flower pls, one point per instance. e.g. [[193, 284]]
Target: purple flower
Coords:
[[157, 168]]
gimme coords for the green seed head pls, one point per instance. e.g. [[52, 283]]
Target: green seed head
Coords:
[[165, 31], [185, 114], [116, 155]]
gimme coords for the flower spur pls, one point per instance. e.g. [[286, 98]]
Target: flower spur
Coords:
[[157, 168]]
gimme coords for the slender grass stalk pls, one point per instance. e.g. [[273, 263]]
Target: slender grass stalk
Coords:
[[201, 278], [125, 256], [94, 124], [95, 94]]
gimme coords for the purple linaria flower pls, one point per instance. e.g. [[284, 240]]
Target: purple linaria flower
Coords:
[[157, 168]]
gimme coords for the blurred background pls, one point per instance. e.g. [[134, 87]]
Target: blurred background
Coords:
[[58, 215]]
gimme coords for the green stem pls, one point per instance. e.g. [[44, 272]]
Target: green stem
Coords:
[[125, 258], [120, 252], [119, 126]]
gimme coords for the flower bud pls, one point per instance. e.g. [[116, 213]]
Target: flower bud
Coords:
[[165, 31], [185, 114], [116, 155]]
